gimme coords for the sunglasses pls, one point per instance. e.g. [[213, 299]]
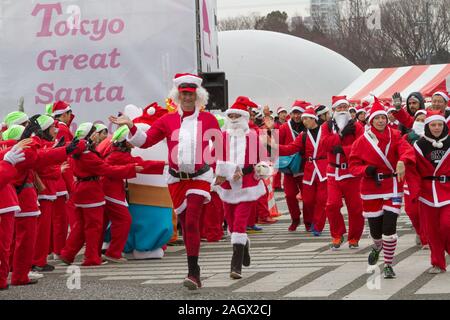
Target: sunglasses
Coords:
[[187, 85]]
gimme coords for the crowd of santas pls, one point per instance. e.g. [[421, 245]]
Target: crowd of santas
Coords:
[[371, 156]]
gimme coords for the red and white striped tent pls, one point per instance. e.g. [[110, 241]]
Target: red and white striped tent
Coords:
[[383, 83]]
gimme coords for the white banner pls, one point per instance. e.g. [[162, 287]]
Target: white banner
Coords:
[[98, 55]]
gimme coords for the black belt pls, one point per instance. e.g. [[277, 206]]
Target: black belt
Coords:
[[342, 166], [382, 176], [441, 179], [187, 176], [92, 178], [311, 159], [24, 186]]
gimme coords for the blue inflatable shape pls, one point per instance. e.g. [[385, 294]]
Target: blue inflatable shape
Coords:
[[151, 228]]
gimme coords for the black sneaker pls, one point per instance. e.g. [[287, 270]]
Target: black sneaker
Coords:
[[373, 256], [46, 268], [389, 272]]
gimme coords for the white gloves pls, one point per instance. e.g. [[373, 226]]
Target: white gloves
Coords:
[[15, 155]]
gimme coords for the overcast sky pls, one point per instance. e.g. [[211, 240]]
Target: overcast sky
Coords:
[[232, 8]]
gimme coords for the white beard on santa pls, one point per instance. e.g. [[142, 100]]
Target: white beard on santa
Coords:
[[342, 119]]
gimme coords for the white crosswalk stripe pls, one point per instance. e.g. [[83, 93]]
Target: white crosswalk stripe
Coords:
[[297, 264]]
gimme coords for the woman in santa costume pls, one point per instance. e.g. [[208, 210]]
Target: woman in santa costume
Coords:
[[64, 208], [49, 176], [89, 198], [314, 154], [9, 204], [430, 184], [380, 157], [339, 134], [292, 183], [239, 186], [116, 207], [27, 218], [188, 133]]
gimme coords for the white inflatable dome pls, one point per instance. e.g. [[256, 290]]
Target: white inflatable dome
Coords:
[[276, 69]]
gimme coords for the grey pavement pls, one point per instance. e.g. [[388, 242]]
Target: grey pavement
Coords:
[[285, 265]]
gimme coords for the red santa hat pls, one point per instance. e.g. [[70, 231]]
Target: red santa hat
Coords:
[[377, 109], [281, 109], [187, 82], [419, 112], [442, 94], [321, 109], [353, 108], [434, 115], [60, 107], [300, 105], [238, 108], [337, 100], [246, 102], [150, 114], [360, 109], [368, 101], [310, 113]]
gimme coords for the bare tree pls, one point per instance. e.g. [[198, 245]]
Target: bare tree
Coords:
[[416, 28], [240, 22]]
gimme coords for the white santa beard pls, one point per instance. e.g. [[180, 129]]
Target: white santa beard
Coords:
[[342, 119], [237, 127]]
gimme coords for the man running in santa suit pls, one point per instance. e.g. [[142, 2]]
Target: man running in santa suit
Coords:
[[339, 134], [188, 133], [239, 187], [315, 173], [292, 183]]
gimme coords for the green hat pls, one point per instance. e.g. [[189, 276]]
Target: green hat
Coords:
[[83, 130], [45, 122], [48, 109], [100, 127], [221, 120], [15, 117], [14, 132], [120, 134]]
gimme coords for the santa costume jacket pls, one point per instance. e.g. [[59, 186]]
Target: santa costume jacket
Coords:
[[365, 152]]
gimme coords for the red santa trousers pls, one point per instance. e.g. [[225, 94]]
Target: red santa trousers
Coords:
[[417, 218], [23, 248], [6, 238], [60, 225], [438, 232], [190, 223], [212, 219], [237, 215], [44, 223], [87, 227], [277, 181], [292, 186], [120, 219], [71, 214], [314, 198], [349, 190]]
